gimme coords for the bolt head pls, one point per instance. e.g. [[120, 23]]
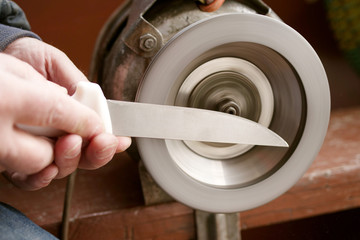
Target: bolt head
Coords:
[[147, 42], [230, 107]]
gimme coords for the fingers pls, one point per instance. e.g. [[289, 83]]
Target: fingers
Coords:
[[43, 103], [14, 67], [67, 154], [49, 61], [124, 143], [26, 153], [45, 106], [28, 98], [34, 181], [101, 149], [63, 71]]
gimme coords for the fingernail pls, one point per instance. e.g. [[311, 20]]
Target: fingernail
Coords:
[[50, 175], [18, 176], [74, 151], [106, 152], [124, 143], [64, 90]]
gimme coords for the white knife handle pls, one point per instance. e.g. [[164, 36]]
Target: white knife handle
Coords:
[[89, 94]]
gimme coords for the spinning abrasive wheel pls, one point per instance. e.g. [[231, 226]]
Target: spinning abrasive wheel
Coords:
[[241, 60]]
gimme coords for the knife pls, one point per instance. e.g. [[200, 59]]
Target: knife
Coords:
[[147, 120]]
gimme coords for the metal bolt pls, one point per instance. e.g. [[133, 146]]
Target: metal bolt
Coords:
[[147, 42], [230, 107]]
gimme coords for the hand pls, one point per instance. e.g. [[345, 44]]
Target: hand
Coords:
[[31, 94]]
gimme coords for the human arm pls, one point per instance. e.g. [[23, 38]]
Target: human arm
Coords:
[[28, 98], [49, 65], [27, 81]]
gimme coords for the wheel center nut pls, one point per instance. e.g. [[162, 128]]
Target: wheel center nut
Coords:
[[230, 107]]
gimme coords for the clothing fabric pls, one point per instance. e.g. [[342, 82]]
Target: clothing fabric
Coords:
[[13, 24], [9, 34], [12, 15], [16, 226]]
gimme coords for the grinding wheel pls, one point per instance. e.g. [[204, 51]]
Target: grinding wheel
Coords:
[[244, 64], [241, 60]]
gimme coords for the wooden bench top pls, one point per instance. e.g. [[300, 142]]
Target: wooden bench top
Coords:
[[112, 195]]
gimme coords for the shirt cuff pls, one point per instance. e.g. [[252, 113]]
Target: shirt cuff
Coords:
[[9, 34]]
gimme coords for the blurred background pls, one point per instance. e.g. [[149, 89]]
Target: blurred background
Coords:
[[73, 27]]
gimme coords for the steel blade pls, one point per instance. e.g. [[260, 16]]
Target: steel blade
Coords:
[[180, 123]]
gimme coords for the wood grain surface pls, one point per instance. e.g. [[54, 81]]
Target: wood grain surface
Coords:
[[108, 203]]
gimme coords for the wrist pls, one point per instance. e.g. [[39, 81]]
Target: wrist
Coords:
[[10, 34]]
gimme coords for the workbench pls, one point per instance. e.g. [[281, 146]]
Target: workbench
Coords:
[[108, 203]]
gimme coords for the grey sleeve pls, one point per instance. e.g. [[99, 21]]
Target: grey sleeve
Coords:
[[13, 24], [9, 34], [12, 15]]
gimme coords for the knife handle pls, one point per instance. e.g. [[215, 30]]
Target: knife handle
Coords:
[[89, 94]]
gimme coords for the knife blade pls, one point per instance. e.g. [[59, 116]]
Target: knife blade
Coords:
[[190, 124], [145, 120]]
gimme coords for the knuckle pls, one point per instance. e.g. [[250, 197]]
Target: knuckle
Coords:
[[56, 113]]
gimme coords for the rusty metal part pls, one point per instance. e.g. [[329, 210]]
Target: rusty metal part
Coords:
[[148, 42], [143, 38], [119, 68], [124, 65]]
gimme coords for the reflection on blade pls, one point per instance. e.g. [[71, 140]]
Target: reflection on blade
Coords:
[[181, 123]]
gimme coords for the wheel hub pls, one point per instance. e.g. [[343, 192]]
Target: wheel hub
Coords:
[[235, 61], [230, 85]]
